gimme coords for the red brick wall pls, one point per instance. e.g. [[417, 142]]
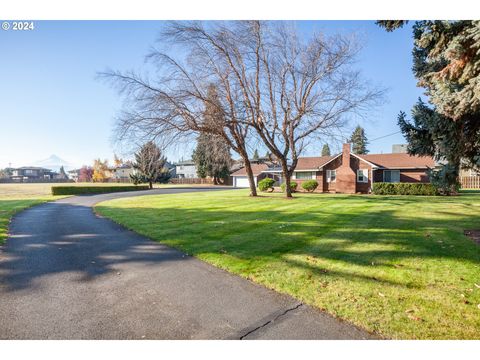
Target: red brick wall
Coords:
[[357, 164], [334, 165], [318, 177]]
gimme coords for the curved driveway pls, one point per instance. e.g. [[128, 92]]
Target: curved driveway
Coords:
[[66, 273]]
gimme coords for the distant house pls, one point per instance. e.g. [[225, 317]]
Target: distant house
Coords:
[[121, 173], [73, 174], [185, 169], [32, 173], [346, 172]]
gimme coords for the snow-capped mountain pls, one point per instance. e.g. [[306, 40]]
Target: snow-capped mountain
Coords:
[[53, 162]]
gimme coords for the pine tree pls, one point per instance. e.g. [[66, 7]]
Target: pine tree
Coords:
[[63, 174], [359, 141], [255, 155], [326, 150], [150, 165], [446, 58], [212, 154], [432, 134]]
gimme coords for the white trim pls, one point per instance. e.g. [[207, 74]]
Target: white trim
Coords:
[[312, 175], [405, 168], [306, 170], [365, 177], [328, 175]]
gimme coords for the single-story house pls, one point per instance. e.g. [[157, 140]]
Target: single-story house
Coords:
[[346, 172]]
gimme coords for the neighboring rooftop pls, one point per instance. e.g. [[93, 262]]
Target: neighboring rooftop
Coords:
[[185, 162]]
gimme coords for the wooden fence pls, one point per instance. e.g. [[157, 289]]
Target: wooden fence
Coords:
[[470, 182], [191, 181]]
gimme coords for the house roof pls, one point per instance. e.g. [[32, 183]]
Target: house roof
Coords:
[[312, 163], [185, 162], [256, 168], [399, 161], [385, 161]]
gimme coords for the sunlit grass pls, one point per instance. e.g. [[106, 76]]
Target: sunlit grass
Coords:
[[397, 266]]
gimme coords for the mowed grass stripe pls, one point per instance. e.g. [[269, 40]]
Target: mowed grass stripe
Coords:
[[398, 266]]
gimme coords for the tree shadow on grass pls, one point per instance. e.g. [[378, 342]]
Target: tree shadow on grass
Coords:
[[73, 240], [358, 237], [80, 242]]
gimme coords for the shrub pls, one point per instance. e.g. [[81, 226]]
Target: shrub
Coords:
[[310, 185], [82, 190], [266, 184], [381, 188], [445, 180], [293, 186]]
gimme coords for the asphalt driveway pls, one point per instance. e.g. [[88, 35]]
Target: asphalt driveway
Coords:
[[66, 273]]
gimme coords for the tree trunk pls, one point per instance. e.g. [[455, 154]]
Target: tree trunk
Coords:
[[286, 175], [150, 184], [251, 180]]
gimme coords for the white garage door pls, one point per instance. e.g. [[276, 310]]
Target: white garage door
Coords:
[[241, 182]]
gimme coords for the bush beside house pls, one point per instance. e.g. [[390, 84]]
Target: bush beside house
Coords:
[[382, 188], [293, 186], [266, 184], [310, 185]]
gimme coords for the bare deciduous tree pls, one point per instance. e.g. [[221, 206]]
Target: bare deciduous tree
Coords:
[[271, 85]]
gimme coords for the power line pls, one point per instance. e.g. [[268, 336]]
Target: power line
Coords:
[[384, 136]]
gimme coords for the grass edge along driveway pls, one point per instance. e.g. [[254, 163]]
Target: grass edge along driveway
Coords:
[[397, 266]]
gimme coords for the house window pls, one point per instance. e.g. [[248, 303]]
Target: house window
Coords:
[[304, 175], [362, 175], [331, 175], [391, 176]]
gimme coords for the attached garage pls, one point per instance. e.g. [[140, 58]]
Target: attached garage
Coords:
[[240, 179]]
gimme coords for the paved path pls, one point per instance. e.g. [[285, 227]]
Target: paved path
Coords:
[[67, 274]]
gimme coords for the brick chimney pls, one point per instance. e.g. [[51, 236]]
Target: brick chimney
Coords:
[[346, 155], [346, 177]]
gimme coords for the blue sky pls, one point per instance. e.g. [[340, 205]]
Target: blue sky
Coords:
[[52, 103]]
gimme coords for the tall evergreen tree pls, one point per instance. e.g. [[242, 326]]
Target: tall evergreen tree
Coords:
[[212, 154], [432, 134], [62, 173], [150, 165], [255, 155], [359, 141], [326, 150], [446, 58]]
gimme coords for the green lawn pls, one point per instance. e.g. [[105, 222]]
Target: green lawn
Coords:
[[397, 266], [16, 197]]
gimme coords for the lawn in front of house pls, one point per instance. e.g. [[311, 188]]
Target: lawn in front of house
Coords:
[[399, 266]]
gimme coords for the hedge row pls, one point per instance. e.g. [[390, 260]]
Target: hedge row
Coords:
[[82, 190], [381, 188]]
